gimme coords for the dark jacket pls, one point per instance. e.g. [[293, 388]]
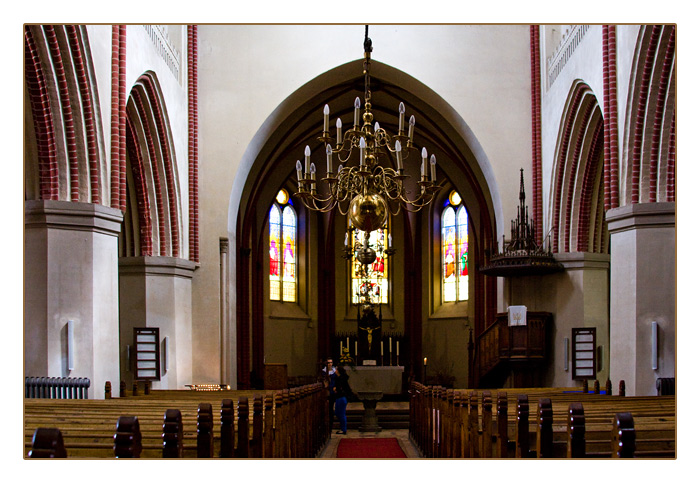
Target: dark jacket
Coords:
[[342, 386]]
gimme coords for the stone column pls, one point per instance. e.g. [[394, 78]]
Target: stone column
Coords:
[[71, 252], [642, 291], [157, 292]]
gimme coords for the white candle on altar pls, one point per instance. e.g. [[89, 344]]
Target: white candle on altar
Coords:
[[381, 344], [389, 345], [397, 348], [348, 342], [341, 348], [355, 349]]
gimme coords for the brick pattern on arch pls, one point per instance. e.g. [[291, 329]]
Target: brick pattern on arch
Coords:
[[611, 146], [650, 173], [536, 89], [579, 176], [150, 128], [193, 141], [42, 117]]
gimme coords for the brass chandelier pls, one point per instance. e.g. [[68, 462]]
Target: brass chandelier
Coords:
[[366, 192]]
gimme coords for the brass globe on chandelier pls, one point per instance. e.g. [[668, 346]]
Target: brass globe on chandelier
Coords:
[[366, 192]]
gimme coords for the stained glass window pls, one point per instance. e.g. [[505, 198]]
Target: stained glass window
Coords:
[[455, 250], [372, 279], [283, 251]]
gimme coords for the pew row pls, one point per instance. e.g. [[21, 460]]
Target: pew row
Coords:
[[290, 423], [540, 422]]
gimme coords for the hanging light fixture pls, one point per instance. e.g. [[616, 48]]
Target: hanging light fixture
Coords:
[[367, 191]]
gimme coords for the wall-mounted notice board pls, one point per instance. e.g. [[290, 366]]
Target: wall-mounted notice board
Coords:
[[147, 344]]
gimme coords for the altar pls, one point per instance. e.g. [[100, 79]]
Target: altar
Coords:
[[384, 379], [370, 383]]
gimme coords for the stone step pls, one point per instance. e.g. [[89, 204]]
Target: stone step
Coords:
[[387, 418]]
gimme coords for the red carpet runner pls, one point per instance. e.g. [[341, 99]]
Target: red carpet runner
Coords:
[[369, 448]]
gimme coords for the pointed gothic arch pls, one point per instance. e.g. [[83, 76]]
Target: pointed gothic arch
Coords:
[[268, 164], [65, 152], [578, 192], [153, 218], [649, 164]]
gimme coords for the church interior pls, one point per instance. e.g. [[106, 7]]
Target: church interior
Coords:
[[460, 206]]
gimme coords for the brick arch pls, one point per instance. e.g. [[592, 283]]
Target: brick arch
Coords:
[[152, 181], [578, 184], [64, 117], [649, 170], [137, 218]]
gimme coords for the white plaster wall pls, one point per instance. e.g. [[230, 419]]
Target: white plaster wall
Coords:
[[585, 64]]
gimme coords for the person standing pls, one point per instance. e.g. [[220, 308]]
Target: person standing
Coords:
[[342, 391], [328, 375]]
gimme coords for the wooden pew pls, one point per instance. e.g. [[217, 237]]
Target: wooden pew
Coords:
[[88, 426], [534, 422]]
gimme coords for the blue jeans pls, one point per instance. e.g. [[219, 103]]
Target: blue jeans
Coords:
[[340, 405]]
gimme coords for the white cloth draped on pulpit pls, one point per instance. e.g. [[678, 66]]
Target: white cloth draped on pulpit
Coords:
[[517, 315]]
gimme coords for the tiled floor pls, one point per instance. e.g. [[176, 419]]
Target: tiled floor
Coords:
[[331, 449]]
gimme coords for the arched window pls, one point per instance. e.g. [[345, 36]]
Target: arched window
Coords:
[[283, 249], [372, 279], [455, 250]]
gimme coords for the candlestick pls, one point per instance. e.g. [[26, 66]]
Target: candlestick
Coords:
[[341, 348], [425, 361], [357, 112], [356, 350], [307, 159], [397, 351], [363, 145], [402, 110], [433, 161], [381, 344], [411, 124], [326, 111]]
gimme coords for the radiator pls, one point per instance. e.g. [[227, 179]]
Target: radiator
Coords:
[[56, 387]]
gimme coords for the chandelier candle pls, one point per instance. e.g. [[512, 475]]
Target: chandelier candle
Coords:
[[329, 159], [399, 162]]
